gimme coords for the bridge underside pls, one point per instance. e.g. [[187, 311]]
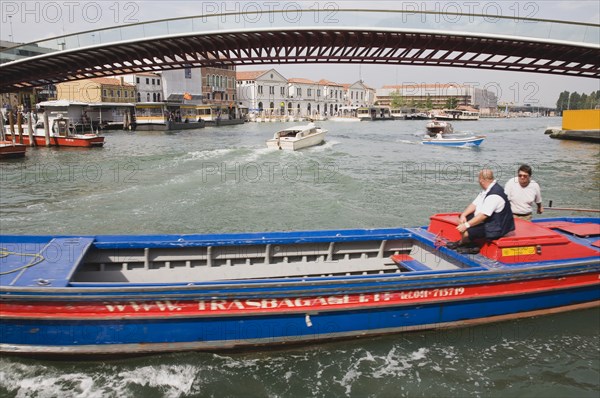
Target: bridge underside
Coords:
[[304, 46]]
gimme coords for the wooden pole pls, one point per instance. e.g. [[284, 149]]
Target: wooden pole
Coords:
[[2, 132], [126, 120], [20, 126], [570, 208], [11, 122], [30, 129], [46, 128]]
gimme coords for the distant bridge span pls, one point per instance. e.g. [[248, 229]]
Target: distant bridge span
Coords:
[[337, 36]]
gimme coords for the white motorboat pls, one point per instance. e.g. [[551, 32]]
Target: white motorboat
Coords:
[[435, 126], [294, 138]]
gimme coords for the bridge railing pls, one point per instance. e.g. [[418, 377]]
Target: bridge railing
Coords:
[[477, 24]]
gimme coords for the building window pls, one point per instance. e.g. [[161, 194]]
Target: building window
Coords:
[[188, 73], [260, 89], [309, 92], [154, 97], [139, 96], [318, 93], [137, 80], [126, 93], [158, 82], [104, 93], [147, 81], [282, 91], [148, 97], [153, 82], [299, 92], [272, 90]]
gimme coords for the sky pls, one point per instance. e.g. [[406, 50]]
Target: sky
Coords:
[[26, 21]]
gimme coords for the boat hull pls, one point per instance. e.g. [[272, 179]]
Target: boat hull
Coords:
[[474, 141], [111, 295], [10, 150], [88, 141], [169, 330], [294, 144]]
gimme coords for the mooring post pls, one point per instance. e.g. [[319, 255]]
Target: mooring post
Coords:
[[30, 129], [47, 128], [11, 122], [20, 126]]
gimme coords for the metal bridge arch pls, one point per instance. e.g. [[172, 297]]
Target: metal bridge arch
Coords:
[[365, 36]]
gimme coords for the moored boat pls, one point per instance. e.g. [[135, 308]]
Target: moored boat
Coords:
[[454, 140], [374, 113], [458, 114], [116, 295], [298, 137], [8, 149], [63, 132]]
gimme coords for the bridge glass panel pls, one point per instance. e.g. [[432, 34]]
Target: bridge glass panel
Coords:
[[295, 19]]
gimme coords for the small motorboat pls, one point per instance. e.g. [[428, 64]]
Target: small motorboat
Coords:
[[455, 140], [435, 126], [298, 137], [121, 295], [8, 149]]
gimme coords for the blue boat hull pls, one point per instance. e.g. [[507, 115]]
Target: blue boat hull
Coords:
[[58, 311], [454, 143], [165, 335]]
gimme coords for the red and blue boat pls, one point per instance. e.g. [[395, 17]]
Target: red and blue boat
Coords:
[[117, 295]]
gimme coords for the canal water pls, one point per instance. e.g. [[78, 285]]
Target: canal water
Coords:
[[366, 175]]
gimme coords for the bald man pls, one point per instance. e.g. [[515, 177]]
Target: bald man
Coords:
[[488, 217]]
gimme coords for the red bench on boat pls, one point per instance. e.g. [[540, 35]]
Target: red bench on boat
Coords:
[[529, 242]]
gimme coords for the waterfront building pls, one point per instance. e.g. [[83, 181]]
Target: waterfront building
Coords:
[[97, 89], [334, 96], [182, 85], [358, 94], [436, 96], [306, 98], [148, 86], [263, 92], [219, 84], [219, 89]]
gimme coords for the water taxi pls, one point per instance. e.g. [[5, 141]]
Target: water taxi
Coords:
[[63, 131], [298, 137], [436, 126]]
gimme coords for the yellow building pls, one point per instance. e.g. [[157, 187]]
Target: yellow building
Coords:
[[98, 89]]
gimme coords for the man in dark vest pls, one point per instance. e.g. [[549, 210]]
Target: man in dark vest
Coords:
[[488, 217]]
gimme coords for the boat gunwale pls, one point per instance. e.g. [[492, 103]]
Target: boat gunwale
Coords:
[[375, 285]]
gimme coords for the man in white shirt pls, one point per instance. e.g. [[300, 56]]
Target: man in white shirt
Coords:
[[523, 192], [488, 217]]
